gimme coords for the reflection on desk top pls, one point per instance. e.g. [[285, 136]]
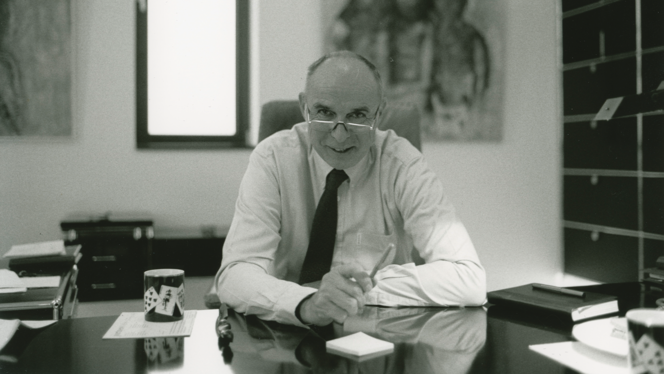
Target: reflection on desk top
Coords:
[[427, 340]]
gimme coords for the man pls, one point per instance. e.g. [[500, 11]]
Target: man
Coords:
[[387, 199]]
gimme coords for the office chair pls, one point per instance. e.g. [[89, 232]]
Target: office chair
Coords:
[[279, 115]]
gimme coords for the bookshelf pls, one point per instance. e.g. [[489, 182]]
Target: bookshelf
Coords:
[[613, 171]]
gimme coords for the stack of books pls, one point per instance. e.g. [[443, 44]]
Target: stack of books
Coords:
[[43, 257]]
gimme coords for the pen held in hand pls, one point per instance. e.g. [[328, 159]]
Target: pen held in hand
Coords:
[[380, 262]]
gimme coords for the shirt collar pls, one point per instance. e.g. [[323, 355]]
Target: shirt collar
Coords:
[[354, 173]]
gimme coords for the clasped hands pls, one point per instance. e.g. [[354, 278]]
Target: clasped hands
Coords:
[[340, 294]]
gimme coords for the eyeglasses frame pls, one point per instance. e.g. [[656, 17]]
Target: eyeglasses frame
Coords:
[[345, 123]]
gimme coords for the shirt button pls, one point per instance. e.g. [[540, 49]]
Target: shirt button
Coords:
[[338, 199]]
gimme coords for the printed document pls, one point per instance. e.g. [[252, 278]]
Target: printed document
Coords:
[[134, 326]]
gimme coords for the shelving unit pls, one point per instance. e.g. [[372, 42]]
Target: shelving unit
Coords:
[[613, 177], [116, 251]]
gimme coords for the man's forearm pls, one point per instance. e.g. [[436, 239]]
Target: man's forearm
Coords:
[[246, 288], [461, 283]]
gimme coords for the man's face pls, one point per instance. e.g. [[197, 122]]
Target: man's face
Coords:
[[344, 89]]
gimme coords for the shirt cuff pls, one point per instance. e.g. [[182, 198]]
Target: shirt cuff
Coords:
[[289, 300], [298, 309]]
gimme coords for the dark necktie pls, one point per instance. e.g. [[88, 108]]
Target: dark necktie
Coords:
[[323, 231]]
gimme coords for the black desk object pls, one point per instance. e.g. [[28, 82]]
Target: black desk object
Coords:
[[116, 251], [427, 340], [43, 303]]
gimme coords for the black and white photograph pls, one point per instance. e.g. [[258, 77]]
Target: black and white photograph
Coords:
[[336, 186]]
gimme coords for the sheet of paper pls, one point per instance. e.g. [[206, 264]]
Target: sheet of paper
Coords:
[[582, 358], [9, 279], [7, 330], [13, 290], [55, 247], [38, 324], [134, 326], [9, 326], [41, 282]]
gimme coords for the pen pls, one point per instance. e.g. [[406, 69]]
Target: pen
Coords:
[[560, 290], [380, 262]]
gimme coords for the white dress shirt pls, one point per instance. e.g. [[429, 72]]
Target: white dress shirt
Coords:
[[390, 198]]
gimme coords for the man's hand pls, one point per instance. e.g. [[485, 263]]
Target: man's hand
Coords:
[[341, 294]]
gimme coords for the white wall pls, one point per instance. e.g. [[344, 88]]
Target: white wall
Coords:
[[507, 193]]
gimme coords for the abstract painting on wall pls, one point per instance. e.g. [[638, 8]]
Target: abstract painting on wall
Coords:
[[445, 56], [35, 68]]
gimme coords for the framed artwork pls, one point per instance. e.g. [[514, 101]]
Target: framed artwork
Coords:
[[445, 56], [35, 68]]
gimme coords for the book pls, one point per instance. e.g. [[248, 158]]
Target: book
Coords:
[[71, 257], [359, 345], [51, 248], [575, 308]]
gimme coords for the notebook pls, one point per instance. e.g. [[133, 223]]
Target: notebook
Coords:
[[575, 308]]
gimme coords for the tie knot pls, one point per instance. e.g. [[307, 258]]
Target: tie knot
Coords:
[[334, 179]]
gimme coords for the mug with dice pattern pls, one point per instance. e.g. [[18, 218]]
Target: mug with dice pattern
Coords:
[[646, 340], [164, 353], [163, 297]]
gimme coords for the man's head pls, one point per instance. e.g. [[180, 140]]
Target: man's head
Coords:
[[342, 87]]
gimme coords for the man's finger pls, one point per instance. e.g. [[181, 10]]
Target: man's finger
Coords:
[[345, 294], [332, 308], [362, 278], [348, 270], [356, 272]]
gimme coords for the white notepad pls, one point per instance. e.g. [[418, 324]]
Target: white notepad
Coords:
[[359, 344]]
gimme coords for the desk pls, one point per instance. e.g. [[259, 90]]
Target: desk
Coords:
[[426, 340]]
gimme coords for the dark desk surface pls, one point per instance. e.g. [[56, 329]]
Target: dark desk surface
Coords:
[[427, 340]]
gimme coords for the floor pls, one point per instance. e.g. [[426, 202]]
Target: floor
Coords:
[[195, 289]]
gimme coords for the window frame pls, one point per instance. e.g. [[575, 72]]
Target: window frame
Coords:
[[145, 140]]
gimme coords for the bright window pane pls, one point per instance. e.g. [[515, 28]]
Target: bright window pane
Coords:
[[191, 67]]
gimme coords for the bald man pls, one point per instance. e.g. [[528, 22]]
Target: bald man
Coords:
[[388, 203]]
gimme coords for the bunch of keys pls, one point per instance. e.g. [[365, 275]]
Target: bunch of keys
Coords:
[[223, 328]]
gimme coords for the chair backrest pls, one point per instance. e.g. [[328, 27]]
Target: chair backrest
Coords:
[[403, 118]]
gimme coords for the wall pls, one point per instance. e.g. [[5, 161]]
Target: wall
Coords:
[[507, 193]]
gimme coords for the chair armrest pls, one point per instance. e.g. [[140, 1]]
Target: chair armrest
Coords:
[[211, 299]]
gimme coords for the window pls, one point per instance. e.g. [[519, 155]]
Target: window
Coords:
[[192, 77]]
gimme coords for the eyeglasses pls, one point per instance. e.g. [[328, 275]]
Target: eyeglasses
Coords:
[[324, 121]]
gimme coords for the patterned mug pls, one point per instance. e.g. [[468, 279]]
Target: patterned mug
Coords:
[[163, 295]]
